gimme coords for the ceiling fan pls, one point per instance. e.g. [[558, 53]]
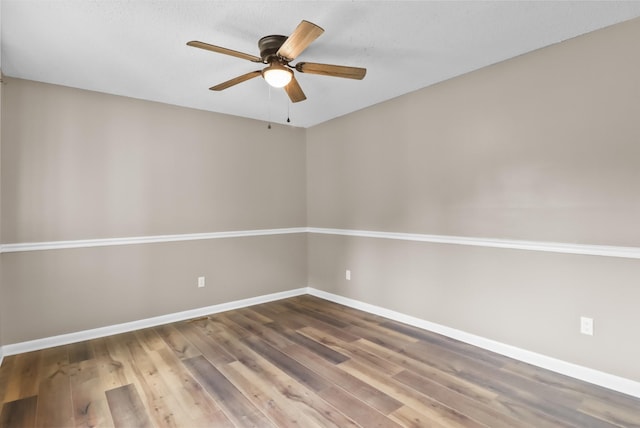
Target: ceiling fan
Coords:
[[278, 52]]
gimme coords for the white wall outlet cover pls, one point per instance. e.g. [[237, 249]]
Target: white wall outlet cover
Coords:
[[586, 326], [201, 282], [347, 275]]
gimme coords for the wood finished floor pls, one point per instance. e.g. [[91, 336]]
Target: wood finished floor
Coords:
[[297, 362]]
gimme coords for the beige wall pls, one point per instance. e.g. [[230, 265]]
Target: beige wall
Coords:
[[543, 147], [81, 165], [65, 291]]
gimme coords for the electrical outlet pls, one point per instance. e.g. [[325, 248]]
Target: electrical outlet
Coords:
[[347, 275], [200, 281], [586, 326]]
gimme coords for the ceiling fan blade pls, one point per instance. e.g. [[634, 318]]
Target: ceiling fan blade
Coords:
[[236, 80], [294, 91], [332, 70], [218, 49], [305, 33]]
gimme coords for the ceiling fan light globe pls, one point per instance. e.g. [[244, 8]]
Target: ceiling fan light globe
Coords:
[[277, 76]]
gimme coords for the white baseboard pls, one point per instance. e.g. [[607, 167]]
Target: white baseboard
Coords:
[[606, 380], [65, 339]]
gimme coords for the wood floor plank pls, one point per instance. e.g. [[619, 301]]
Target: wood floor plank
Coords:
[[484, 413], [290, 366], [553, 403], [296, 393], [320, 316], [24, 377], [121, 369], [599, 402], [559, 399], [278, 408], [270, 312], [126, 408], [188, 393], [210, 349], [54, 398], [364, 415], [350, 315], [615, 413], [7, 373], [112, 373], [437, 340], [19, 413], [90, 407], [155, 393], [236, 406], [303, 319], [181, 347], [150, 339], [484, 383], [411, 418], [80, 351], [231, 342], [374, 333], [351, 349], [138, 370], [221, 322], [327, 370], [309, 342], [442, 372], [249, 326], [255, 316], [425, 407], [477, 392]]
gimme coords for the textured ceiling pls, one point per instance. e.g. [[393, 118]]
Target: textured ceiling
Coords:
[[137, 48]]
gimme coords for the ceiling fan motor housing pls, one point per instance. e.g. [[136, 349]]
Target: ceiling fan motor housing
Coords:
[[269, 45]]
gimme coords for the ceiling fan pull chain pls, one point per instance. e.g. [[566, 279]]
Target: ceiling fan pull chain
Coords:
[[269, 108], [288, 111]]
